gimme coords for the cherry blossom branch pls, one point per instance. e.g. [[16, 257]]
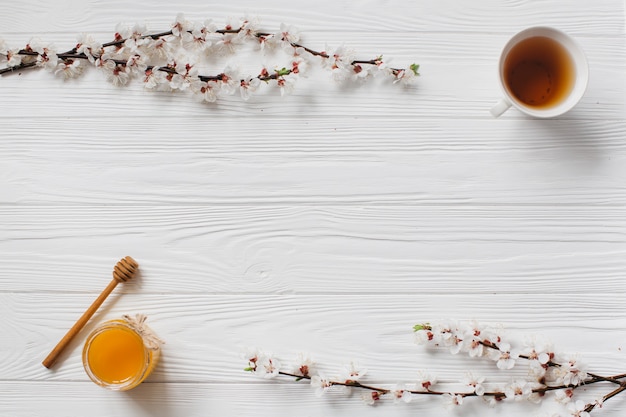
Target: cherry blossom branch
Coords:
[[170, 59], [549, 372]]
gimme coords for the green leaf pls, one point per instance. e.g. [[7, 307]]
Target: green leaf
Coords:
[[283, 71], [424, 326], [415, 68], [248, 369]]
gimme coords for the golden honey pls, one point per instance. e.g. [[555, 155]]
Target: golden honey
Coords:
[[117, 356]]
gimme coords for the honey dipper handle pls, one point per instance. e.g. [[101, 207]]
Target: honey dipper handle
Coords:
[[54, 354]]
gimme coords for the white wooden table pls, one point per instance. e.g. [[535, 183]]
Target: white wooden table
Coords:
[[329, 221]]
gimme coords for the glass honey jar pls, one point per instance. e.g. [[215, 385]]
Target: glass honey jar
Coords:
[[119, 354]]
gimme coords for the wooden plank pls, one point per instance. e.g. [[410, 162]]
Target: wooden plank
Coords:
[[291, 161], [206, 335], [603, 16], [279, 400], [320, 249]]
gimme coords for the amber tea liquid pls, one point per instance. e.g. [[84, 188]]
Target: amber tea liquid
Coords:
[[539, 72]]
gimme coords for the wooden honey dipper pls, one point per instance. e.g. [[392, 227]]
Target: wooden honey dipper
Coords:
[[124, 271]]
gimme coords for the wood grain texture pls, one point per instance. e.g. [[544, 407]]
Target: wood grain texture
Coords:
[[334, 249], [329, 221], [304, 161], [599, 17], [207, 334], [200, 399]]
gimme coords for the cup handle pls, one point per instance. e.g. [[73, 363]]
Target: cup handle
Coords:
[[500, 107]]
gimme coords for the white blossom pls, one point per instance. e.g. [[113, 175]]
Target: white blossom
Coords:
[[425, 380], [404, 76], [570, 372], [304, 366], [195, 41], [444, 331], [476, 383], [247, 87], [207, 91], [473, 339], [207, 27], [181, 25], [539, 353], [473, 346], [268, 367], [454, 343], [119, 76], [261, 364], [225, 44], [351, 372], [286, 84], [360, 72], [424, 335], [320, 384], [340, 62], [253, 356], [401, 393], [137, 64], [249, 27], [518, 390], [266, 42], [160, 49], [69, 68], [185, 75], [13, 57], [230, 80], [115, 74], [46, 55], [88, 46], [299, 66], [136, 39], [154, 79], [122, 31], [288, 35], [504, 357]]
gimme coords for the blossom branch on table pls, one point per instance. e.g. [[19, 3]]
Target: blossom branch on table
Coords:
[[548, 372], [170, 60]]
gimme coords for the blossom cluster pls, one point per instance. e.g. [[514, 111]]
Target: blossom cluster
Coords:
[[549, 374], [545, 367], [172, 60]]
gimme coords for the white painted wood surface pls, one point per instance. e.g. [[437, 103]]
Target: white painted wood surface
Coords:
[[329, 221]]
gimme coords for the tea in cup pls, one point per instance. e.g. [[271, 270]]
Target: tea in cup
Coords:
[[543, 73]]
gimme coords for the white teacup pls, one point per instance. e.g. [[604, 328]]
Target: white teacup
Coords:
[[543, 73]]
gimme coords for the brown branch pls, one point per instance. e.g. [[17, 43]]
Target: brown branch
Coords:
[[496, 394]]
